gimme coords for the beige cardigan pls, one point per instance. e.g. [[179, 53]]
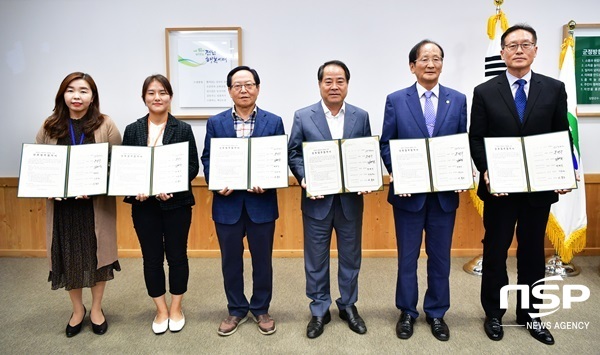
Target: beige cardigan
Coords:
[[105, 208]]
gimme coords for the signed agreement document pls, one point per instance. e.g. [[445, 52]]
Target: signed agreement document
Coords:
[[243, 163], [148, 170], [431, 164], [342, 165], [361, 162], [63, 170], [541, 162]]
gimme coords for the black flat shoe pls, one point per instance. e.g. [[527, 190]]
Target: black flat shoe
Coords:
[[355, 322], [317, 325], [439, 328], [71, 331], [493, 328], [404, 327], [99, 328], [537, 330]]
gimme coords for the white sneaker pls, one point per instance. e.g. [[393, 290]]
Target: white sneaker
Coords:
[[177, 325], [160, 328]]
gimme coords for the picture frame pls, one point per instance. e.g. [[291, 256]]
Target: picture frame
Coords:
[[588, 102], [198, 60]]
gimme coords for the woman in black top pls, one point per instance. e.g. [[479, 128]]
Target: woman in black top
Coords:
[[162, 222]]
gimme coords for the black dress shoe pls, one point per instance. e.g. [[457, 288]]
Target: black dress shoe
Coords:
[[493, 328], [404, 327], [100, 328], [71, 331], [537, 330], [439, 328], [317, 324], [355, 322]]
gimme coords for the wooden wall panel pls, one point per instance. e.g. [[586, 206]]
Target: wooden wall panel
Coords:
[[592, 195], [22, 224]]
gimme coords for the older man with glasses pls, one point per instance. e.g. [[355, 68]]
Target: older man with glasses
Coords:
[[250, 213], [424, 109]]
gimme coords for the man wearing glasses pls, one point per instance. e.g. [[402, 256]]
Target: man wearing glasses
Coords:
[[250, 213], [331, 118], [424, 109], [516, 103]]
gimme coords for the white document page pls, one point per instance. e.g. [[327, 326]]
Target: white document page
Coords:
[[362, 164], [506, 164], [43, 170], [269, 162], [410, 166], [550, 162], [88, 170], [228, 164], [322, 170], [130, 168], [450, 158], [170, 168]]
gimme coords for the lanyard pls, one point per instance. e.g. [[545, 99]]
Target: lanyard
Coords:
[[162, 129], [73, 135]]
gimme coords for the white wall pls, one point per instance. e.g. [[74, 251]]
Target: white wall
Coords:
[[120, 42]]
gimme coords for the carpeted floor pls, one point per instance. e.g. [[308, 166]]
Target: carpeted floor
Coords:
[[33, 318]]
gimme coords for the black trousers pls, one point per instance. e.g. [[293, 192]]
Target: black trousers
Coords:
[[500, 215], [163, 232]]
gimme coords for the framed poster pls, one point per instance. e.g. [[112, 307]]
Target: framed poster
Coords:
[[587, 67], [198, 60]]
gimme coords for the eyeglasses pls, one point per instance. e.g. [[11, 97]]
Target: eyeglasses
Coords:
[[527, 46], [435, 60], [248, 86]]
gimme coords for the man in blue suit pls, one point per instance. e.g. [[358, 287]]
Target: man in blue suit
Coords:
[[328, 119], [250, 213], [425, 109]]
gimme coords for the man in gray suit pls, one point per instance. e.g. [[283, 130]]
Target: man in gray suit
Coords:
[[331, 118]]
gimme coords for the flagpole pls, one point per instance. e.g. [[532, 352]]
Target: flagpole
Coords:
[[494, 66], [554, 264]]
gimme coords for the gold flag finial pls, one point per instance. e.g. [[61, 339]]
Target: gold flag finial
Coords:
[[498, 3], [569, 41], [499, 16]]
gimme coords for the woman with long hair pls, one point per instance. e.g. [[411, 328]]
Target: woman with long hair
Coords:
[[162, 222], [81, 232]]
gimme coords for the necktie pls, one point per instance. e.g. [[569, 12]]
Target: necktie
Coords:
[[429, 112], [520, 98]]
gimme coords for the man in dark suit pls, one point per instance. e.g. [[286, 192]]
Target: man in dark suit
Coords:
[[328, 119], [250, 213], [425, 109], [516, 103]]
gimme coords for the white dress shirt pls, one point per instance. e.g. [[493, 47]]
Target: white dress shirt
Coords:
[[514, 86], [335, 123], [434, 98]]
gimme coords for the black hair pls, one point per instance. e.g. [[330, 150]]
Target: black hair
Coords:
[[412, 55], [242, 67], [160, 79], [518, 26], [333, 62]]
